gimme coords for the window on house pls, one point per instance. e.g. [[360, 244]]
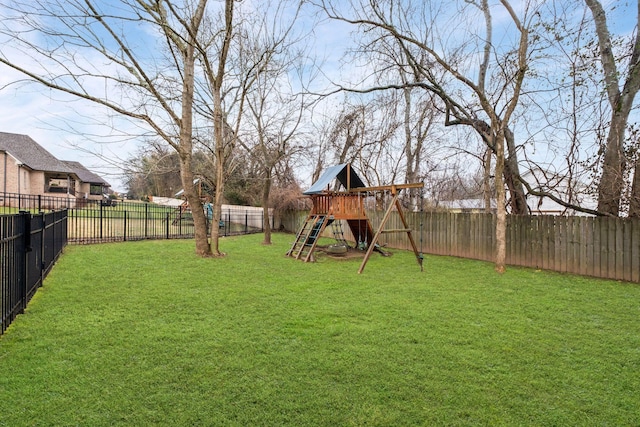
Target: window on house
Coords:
[[95, 190], [60, 185]]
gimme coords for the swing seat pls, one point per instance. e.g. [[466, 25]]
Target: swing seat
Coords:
[[337, 249]]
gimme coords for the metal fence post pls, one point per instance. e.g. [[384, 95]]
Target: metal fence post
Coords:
[[26, 248], [146, 219], [43, 244], [167, 227], [101, 218]]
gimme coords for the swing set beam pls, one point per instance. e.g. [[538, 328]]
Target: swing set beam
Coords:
[[393, 188]]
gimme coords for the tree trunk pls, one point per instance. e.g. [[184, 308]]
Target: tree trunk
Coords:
[[185, 149], [197, 210], [634, 203], [412, 153], [486, 180], [217, 205], [220, 174], [219, 133], [265, 206], [512, 177], [501, 213], [612, 181]]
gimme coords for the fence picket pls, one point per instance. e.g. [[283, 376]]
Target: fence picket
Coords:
[[618, 255], [610, 249], [635, 251], [626, 250]]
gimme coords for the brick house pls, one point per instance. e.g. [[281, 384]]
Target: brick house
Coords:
[[27, 169]]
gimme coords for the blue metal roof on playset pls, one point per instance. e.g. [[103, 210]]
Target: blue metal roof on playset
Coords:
[[338, 172]]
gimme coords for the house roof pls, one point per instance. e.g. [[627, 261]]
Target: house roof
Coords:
[[30, 153], [181, 192], [338, 172], [85, 174]]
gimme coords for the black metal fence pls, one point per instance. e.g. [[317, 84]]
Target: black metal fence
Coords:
[[29, 246], [31, 240], [98, 221]]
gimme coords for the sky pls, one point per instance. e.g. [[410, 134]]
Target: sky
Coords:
[[68, 128]]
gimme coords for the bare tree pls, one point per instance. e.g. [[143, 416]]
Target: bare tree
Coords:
[[633, 138], [621, 99], [416, 112], [239, 74], [275, 104], [214, 68], [365, 134], [487, 101], [570, 104], [131, 84], [420, 116]]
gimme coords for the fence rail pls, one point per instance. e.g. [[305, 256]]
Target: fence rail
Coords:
[[29, 246], [95, 221], [608, 248]]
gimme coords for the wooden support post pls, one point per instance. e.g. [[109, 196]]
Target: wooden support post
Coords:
[[377, 235], [397, 230], [413, 243]]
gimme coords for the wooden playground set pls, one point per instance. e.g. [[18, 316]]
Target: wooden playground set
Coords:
[[332, 206]]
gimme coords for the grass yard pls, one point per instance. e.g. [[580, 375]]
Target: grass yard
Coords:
[[145, 333]]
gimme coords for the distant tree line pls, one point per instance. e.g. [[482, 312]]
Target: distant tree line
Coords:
[[156, 172]]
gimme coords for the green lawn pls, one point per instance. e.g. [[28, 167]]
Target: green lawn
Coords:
[[146, 333]]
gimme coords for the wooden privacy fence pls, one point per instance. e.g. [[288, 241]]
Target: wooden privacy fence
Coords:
[[601, 247]]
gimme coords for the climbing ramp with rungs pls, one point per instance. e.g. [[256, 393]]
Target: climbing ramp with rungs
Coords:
[[308, 236]]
